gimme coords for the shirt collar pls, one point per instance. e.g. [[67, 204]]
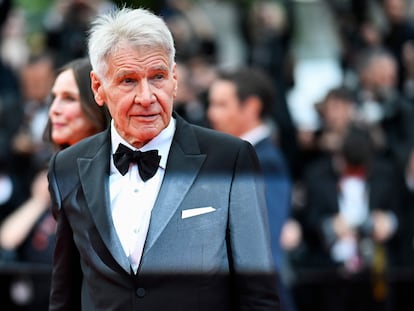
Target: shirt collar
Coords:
[[257, 134], [162, 142]]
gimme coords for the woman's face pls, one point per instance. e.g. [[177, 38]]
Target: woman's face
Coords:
[[68, 122]]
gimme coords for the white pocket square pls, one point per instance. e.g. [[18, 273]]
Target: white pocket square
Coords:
[[196, 211]]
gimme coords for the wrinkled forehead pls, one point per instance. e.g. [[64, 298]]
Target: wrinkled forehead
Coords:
[[135, 47]]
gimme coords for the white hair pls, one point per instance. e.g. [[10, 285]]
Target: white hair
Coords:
[[135, 27]]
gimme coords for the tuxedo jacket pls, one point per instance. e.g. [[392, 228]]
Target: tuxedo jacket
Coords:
[[219, 260]]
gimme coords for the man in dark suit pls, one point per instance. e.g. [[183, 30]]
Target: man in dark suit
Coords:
[[350, 222], [240, 102], [180, 222]]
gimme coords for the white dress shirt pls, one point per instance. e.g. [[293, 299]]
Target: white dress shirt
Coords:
[[353, 200], [354, 208], [132, 199]]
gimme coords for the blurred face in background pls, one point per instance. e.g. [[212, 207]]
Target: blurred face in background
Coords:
[[37, 79], [384, 73], [380, 75], [69, 123], [337, 114], [395, 10], [225, 112]]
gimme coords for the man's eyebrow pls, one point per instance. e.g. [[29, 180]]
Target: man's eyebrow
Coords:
[[126, 72], [159, 68], [123, 73]]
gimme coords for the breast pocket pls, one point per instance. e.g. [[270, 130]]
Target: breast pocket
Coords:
[[201, 218]]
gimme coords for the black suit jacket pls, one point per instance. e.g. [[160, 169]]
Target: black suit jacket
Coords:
[[219, 260]]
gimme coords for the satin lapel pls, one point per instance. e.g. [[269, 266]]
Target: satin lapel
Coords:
[[182, 169], [94, 178]]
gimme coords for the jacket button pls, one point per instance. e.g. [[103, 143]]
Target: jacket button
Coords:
[[140, 292]]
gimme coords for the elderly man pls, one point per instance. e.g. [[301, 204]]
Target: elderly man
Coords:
[[155, 213]]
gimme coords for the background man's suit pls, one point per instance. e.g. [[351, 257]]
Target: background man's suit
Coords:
[[219, 260]]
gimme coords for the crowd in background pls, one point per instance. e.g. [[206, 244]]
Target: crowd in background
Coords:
[[349, 149]]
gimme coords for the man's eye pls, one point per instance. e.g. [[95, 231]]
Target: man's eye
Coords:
[[159, 76], [128, 80]]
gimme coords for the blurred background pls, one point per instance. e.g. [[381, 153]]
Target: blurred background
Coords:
[[343, 117]]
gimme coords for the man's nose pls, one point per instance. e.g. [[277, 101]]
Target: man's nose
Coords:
[[144, 93]]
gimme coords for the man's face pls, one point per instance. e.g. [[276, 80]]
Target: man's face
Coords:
[[337, 114], [225, 112], [138, 89]]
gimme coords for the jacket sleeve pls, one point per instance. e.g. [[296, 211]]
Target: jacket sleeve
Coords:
[[66, 273], [248, 237]]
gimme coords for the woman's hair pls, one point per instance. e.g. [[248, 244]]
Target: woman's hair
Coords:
[[135, 28], [97, 115]]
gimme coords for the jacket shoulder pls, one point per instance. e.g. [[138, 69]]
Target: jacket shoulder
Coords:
[[212, 139], [63, 176]]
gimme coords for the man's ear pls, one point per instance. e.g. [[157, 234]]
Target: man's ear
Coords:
[[96, 86], [253, 105], [175, 78]]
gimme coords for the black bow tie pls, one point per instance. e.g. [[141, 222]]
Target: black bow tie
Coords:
[[147, 161]]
